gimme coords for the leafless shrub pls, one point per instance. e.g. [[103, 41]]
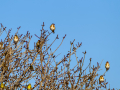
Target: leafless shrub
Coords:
[[16, 69]]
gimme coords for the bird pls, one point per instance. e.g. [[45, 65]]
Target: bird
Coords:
[[107, 66], [29, 86], [38, 45], [101, 79], [1, 45], [16, 40], [2, 85], [52, 27], [31, 68]]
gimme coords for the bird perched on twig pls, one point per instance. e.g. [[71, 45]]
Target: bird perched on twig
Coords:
[[29, 87], [52, 28], [31, 68], [16, 40], [107, 66], [2, 85], [101, 79], [1, 45], [38, 45]]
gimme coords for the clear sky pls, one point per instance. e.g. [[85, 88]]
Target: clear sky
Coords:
[[95, 23]]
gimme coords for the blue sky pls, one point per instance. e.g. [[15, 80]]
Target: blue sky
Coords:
[[95, 23]]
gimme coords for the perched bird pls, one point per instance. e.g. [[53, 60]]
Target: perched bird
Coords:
[[101, 79], [52, 28], [1, 45], [31, 68], [16, 40], [107, 65], [2, 85], [38, 45], [29, 86]]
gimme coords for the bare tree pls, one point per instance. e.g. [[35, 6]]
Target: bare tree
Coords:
[[18, 67]]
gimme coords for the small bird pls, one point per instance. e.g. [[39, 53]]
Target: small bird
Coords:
[[38, 45], [52, 28], [101, 79], [31, 68], [2, 85], [16, 40], [29, 86], [1, 45], [107, 66]]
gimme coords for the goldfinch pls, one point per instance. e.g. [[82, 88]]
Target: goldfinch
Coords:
[[2, 85], [52, 28], [1, 45], [31, 68], [107, 65], [101, 79], [29, 86], [38, 44], [15, 39]]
